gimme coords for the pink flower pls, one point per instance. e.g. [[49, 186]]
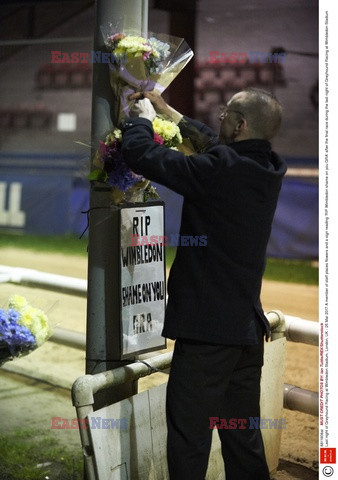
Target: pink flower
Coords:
[[158, 139], [116, 37], [103, 148], [147, 54]]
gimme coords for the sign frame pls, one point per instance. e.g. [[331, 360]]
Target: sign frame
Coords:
[[140, 332]]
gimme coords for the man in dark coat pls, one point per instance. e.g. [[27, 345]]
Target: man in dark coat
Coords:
[[214, 312]]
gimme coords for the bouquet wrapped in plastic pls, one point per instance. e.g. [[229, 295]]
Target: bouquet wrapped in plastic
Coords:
[[142, 64], [138, 64], [23, 328]]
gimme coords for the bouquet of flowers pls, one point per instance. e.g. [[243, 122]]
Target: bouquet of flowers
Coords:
[[142, 64], [23, 328], [112, 170], [138, 64]]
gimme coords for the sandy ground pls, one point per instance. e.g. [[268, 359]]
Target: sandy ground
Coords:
[[61, 365]]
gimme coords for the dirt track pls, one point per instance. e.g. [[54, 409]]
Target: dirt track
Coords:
[[64, 365]]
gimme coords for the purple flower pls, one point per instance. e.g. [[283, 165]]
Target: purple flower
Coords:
[[3, 317], [13, 315], [14, 335], [119, 174]]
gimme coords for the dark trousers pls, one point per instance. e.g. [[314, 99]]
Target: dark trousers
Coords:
[[221, 381]]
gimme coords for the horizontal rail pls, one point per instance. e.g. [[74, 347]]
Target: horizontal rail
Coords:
[[50, 281], [300, 330], [302, 172], [296, 398], [295, 330], [69, 338], [84, 388]]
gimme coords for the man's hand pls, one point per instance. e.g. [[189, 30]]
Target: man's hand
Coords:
[[143, 109], [159, 104]]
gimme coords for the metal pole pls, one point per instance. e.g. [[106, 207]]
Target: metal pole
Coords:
[[300, 330], [302, 400], [69, 338], [103, 329], [50, 281]]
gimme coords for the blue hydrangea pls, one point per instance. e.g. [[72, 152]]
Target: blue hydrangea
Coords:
[[3, 316], [13, 335], [13, 315], [161, 47]]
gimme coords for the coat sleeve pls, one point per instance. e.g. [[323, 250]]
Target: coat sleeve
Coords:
[[201, 127], [189, 176], [201, 136]]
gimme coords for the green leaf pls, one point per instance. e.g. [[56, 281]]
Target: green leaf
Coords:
[[97, 175]]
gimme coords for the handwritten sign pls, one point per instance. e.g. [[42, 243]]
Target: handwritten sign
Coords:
[[143, 285]]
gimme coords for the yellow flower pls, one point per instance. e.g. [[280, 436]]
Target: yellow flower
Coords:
[[169, 131], [116, 134], [132, 45], [27, 317], [32, 318], [17, 302], [37, 321]]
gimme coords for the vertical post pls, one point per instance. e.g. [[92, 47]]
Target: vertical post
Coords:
[[103, 316]]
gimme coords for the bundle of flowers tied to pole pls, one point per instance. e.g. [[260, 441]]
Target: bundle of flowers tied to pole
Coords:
[[23, 328], [138, 64]]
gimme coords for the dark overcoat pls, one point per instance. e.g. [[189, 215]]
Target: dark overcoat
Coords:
[[230, 196]]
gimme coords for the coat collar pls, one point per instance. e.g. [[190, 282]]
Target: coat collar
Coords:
[[256, 149], [252, 148]]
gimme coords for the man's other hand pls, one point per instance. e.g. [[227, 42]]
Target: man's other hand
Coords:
[[159, 104], [143, 109]]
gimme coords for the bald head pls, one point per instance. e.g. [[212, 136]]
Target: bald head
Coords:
[[262, 111]]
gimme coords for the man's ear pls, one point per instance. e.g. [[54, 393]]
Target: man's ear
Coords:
[[241, 126]]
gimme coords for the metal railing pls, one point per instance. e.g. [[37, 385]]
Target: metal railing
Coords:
[[293, 328]]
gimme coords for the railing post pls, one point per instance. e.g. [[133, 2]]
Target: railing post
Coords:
[[277, 323]]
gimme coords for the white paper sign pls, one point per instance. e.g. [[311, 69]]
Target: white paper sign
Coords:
[[143, 286]]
